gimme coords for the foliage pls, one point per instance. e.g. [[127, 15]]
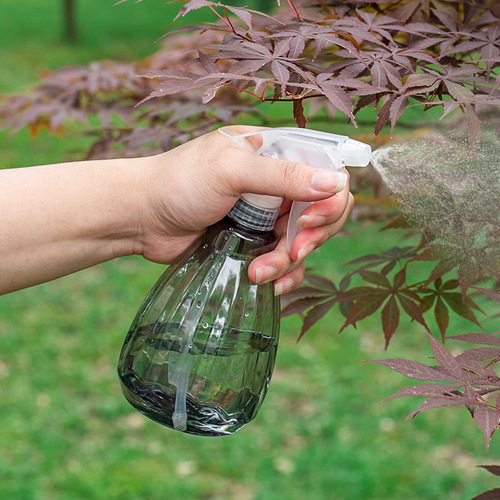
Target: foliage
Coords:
[[385, 284], [108, 91], [461, 380], [350, 55]]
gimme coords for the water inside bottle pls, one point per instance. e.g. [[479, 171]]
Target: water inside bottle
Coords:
[[223, 394]]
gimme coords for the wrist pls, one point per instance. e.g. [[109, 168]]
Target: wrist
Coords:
[[129, 192]]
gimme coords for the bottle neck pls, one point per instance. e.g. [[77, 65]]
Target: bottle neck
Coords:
[[253, 217], [232, 238]]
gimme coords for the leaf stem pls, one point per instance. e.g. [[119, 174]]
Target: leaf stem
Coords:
[[294, 9]]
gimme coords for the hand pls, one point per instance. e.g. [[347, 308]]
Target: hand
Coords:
[[195, 185]]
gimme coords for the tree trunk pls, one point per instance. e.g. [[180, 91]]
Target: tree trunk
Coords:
[[69, 20]]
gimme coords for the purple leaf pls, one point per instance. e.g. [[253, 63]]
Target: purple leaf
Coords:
[[314, 315], [445, 359], [384, 114], [487, 420], [493, 469], [378, 279], [478, 338], [460, 93], [280, 71], [425, 390], [478, 354], [379, 75], [242, 14], [247, 66], [299, 306], [396, 109], [194, 5], [390, 319], [489, 293], [493, 494], [442, 315], [440, 402], [363, 308], [207, 63], [339, 99], [416, 370]]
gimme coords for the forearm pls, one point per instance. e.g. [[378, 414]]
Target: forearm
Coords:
[[58, 219]]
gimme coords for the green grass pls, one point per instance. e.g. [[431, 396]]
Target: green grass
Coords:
[[67, 432], [322, 434]]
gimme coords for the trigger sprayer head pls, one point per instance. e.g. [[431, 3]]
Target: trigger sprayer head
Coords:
[[311, 147]]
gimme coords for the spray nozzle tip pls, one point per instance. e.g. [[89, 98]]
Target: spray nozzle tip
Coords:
[[356, 153]]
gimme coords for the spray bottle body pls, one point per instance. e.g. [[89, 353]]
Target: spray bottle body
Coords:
[[200, 353]]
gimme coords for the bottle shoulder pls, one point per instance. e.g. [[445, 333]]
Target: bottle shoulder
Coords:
[[230, 238]]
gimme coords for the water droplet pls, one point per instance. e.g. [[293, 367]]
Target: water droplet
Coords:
[[198, 305], [246, 315], [205, 325], [205, 246], [230, 248], [226, 237]]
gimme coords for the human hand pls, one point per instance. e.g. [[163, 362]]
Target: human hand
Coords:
[[195, 185]]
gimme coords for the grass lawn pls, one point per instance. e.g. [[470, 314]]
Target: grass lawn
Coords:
[[322, 434]]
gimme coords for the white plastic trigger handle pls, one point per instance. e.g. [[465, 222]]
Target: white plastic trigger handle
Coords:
[[292, 230]]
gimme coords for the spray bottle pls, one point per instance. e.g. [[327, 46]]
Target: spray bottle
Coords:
[[200, 352]]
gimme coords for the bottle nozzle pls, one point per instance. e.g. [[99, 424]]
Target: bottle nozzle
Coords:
[[356, 154]]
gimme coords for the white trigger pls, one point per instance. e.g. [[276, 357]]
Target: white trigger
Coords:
[[292, 230]]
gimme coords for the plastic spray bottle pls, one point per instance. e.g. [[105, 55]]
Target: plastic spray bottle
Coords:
[[200, 352]]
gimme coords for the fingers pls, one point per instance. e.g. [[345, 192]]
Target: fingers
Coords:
[[289, 281], [321, 221], [277, 266]]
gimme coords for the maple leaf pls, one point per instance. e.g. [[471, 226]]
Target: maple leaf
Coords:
[[388, 258], [366, 300], [442, 297], [493, 494], [457, 381], [313, 300]]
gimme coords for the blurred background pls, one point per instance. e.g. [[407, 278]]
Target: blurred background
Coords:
[[66, 432]]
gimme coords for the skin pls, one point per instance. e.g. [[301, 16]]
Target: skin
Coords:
[[59, 219]]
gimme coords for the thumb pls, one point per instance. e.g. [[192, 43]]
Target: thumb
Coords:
[[287, 179]]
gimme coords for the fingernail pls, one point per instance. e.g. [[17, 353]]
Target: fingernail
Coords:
[[283, 286], [264, 274], [304, 252], [311, 221], [328, 181]]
